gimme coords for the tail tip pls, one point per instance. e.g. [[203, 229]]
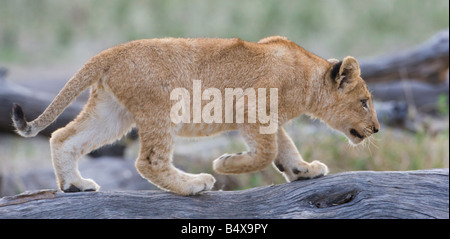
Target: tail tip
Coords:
[[18, 118], [18, 112]]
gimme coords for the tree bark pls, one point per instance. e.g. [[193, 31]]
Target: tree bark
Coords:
[[364, 194]]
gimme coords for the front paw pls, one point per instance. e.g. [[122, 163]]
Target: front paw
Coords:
[[219, 165], [229, 163], [304, 171]]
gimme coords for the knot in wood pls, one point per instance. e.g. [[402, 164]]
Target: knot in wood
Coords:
[[331, 199]]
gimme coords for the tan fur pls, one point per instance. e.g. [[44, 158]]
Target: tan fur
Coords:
[[131, 84]]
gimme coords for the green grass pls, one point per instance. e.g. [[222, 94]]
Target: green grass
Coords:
[[390, 149], [51, 30]]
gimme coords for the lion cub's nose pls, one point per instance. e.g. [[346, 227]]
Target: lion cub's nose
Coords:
[[375, 129]]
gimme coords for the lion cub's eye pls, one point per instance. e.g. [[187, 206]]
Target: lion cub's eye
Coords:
[[364, 103]]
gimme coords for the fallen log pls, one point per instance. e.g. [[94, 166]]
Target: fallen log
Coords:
[[427, 62], [422, 96], [364, 194]]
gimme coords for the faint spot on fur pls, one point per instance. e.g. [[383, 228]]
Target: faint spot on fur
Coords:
[[165, 87], [150, 156]]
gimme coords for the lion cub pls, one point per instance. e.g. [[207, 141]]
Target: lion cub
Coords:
[[132, 84]]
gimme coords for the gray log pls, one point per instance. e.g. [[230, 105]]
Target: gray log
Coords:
[[427, 62], [364, 194], [422, 95]]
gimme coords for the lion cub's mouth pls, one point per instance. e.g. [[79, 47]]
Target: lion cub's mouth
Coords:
[[355, 133]]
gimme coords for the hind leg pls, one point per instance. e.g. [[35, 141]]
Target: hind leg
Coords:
[[155, 161], [103, 120]]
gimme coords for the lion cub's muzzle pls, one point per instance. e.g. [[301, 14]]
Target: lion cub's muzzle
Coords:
[[355, 133], [366, 132]]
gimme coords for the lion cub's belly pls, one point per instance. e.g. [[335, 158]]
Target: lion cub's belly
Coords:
[[202, 129]]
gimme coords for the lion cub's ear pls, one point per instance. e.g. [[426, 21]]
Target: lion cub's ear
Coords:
[[350, 67], [344, 73]]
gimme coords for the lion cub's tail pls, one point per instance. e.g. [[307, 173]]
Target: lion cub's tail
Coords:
[[84, 78]]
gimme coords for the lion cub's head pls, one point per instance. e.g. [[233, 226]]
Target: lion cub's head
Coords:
[[349, 106]]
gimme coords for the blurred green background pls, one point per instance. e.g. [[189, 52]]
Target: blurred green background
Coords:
[[55, 32], [50, 30]]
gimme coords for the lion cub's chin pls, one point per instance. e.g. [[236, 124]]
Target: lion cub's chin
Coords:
[[354, 141], [354, 137]]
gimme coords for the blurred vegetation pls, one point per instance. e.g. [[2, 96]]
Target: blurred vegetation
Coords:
[[50, 31]]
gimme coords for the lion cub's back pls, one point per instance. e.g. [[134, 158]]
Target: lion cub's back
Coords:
[[154, 67]]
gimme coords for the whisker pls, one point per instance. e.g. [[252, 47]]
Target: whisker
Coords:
[[367, 145], [368, 133], [372, 143]]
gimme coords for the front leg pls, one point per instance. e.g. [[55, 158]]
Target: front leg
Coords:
[[291, 164]]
